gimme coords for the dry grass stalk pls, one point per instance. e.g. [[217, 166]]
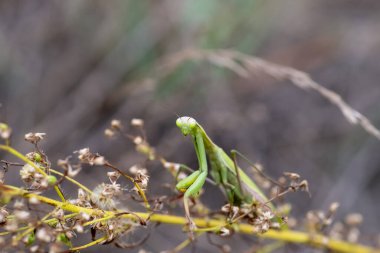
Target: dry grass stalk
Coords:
[[245, 65]]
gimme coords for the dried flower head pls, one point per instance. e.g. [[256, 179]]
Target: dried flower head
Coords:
[[113, 176], [104, 195], [268, 215], [19, 204], [109, 133], [5, 131], [44, 235], [116, 124], [353, 235], [137, 122], [172, 167], [333, 208], [85, 156], [226, 208], [56, 247], [67, 166], [141, 177], [3, 215], [82, 200], [82, 195], [138, 140], [59, 214], [135, 169], [34, 137], [282, 180], [83, 153], [34, 248], [263, 221], [304, 186], [27, 173], [11, 225], [85, 216], [22, 215], [224, 231], [99, 160], [354, 219], [233, 212], [79, 228]]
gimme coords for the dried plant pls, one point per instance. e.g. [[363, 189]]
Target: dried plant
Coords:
[[32, 221]]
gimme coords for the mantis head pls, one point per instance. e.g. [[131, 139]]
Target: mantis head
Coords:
[[186, 124]]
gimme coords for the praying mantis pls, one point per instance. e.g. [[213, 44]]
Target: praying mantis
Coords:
[[238, 187]]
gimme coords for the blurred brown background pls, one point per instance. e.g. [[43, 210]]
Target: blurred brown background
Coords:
[[68, 67]]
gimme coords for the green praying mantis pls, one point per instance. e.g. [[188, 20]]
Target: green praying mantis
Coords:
[[238, 187]]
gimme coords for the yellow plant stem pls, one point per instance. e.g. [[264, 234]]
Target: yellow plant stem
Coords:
[[314, 240], [26, 160], [72, 181], [23, 158], [97, 241], [99, 220], [185, 243]]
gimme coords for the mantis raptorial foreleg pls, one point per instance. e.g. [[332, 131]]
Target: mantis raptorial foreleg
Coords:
[[183, 167], [193, 183]]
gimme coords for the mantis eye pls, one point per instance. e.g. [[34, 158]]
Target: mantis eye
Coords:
[[186, 122]]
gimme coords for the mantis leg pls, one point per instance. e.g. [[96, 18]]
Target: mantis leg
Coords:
[[193, 190], [185, 183], [183, 167], [235, 152], [252, 188], [227, 178], [199, 178], [237, 171]]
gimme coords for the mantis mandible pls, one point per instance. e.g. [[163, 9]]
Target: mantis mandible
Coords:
[[239, 188]]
